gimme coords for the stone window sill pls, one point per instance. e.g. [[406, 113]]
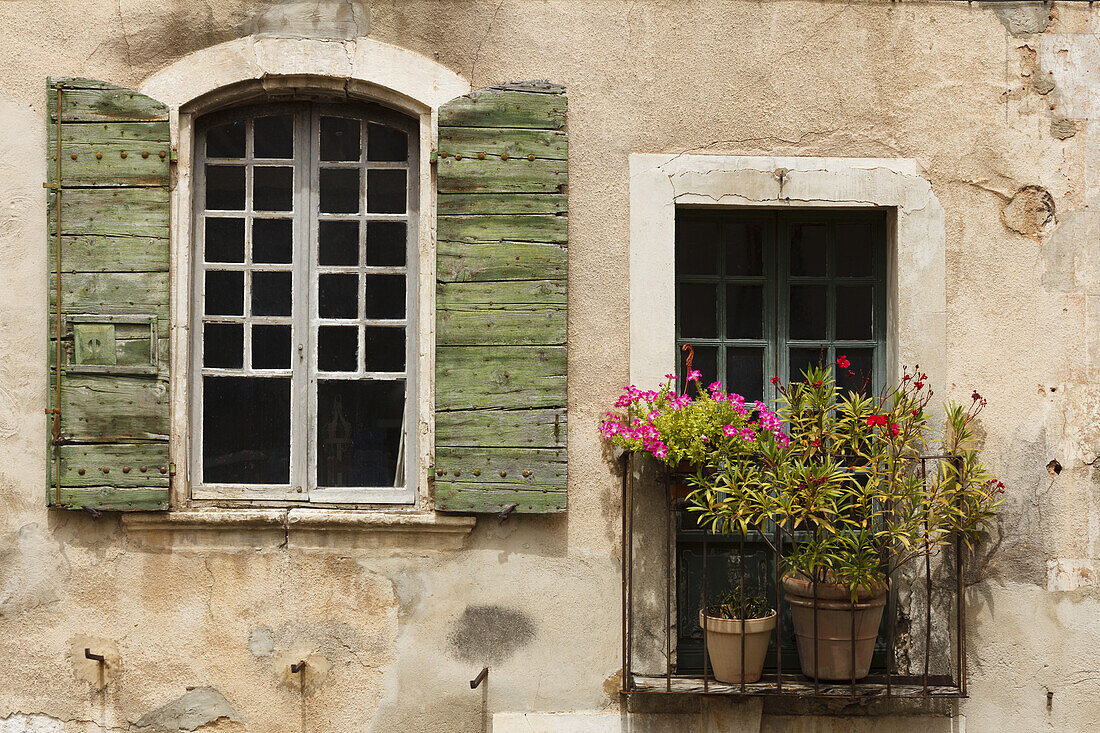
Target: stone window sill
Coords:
[[300, 529]]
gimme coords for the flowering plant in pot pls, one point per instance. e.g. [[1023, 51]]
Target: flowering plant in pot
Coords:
[[690, 434], [738, 630], [848, 494]]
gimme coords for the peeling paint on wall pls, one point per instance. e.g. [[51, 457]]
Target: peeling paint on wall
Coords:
[[32, 570], [1030, 212], [196, 708]]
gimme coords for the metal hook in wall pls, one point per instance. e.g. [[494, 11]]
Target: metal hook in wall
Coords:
[[481, 677], [298, 667], [97, 657]]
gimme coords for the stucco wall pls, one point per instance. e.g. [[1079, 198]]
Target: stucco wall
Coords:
[[200, 631]]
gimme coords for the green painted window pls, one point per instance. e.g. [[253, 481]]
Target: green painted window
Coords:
[[770, 293]]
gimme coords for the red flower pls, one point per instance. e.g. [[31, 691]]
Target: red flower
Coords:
[[975, 396], [918, 385], [873, 420], [775, 380], [817, 384], [842, 362]]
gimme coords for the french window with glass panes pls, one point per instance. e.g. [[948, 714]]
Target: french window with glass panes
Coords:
[[304, 297], [770, 293]]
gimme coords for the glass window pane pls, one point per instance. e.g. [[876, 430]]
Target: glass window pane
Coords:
[[246, 430], [385, 296], [272, 188], [272, 240], [808, 249], [225, 187], [338, 348], [223, 345], [807, 314], [385, 192], [340, 138], [224, 240], [803, 359], [696, 245], [705, 361], [339, 190], [854, 250], [273, 137], [385, 349], [224, 293], [744, 311], [858, 376], [359, 427], [745, 248], [386, 143], [745, 372], [339, 242], [338, 296], [271, 293], [386, 243], [225, 141], [270, 347], [853, 312], [698, 315]]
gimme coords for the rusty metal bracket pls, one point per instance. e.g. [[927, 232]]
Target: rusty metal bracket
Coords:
[[481, 677], [506, 512], [298, 667], [97, 657]]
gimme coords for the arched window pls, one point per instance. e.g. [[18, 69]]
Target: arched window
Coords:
[[304, 337]]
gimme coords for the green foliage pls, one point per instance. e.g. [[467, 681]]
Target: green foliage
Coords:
[[853, 491], [739, 603]]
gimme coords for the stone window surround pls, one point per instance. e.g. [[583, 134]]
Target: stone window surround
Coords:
[[235, 72], [916, 242]]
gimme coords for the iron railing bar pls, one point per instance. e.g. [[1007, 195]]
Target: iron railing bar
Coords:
[[703, 607], [778, 611], [813, 583], [668, 582], [623, 684], [741, 563]]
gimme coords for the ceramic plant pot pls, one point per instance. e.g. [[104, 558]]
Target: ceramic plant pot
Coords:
[[835, 641], [724, 646]]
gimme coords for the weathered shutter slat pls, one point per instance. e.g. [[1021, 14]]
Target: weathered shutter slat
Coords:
[[500, 421], [111, 453]]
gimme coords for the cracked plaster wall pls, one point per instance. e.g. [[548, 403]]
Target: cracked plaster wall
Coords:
[[984, 102]]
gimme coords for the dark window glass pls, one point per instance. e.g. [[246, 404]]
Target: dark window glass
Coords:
[[340, 139], [807, 312], [272, 188], [359, 428], [225, 187], [385, 296], [270, 347], [745, 248], [705, 361], [386, 192], [246, 430], [385, 349], [224, 293], [697, 246], [273, 137], [857, 377], [271, 293], [339, 190], [224, 240], [808, 243], [803, 359], [272, 240], [854, 250], [744, 311], [386, 143], [338, 296], [223, 345], [337, 348], [225, 141], [386, 243], [745, 372], [339, 242], [853, 312], [698, 310]]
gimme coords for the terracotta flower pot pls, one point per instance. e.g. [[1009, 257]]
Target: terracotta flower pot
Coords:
[[724, 646], [678, 487], [834, 627]]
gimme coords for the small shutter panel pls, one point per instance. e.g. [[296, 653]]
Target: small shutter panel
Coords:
[[108, 443], [500, 301]]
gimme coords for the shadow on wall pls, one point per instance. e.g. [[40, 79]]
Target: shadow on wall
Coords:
[[336, 19]]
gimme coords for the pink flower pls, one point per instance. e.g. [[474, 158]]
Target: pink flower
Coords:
[[894, 429], [670, 376], [715, 387], [842, 362], [729, 430], [694, 375]]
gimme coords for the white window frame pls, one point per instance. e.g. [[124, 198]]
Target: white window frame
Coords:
[[303, 485], [251, 69]]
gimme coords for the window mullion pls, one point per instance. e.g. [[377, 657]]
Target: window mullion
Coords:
[[302, 357]]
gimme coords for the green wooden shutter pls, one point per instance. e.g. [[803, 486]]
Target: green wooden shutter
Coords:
[[108, 442], [500, 301]]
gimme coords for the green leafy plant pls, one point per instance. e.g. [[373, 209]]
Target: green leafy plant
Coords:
[[853, 492], [739, 603]]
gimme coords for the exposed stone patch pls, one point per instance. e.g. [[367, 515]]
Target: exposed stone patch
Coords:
[[32, 570], [197, 707], [1025, 18], [490, 634], [261, 642], [336, 19], [33, 723], [1030, 212], [1063, 128], [1041, 81]]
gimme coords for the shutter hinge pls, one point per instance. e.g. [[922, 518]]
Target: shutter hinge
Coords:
[[173, 156], [434, 157], [171, 469], [51, 186]]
